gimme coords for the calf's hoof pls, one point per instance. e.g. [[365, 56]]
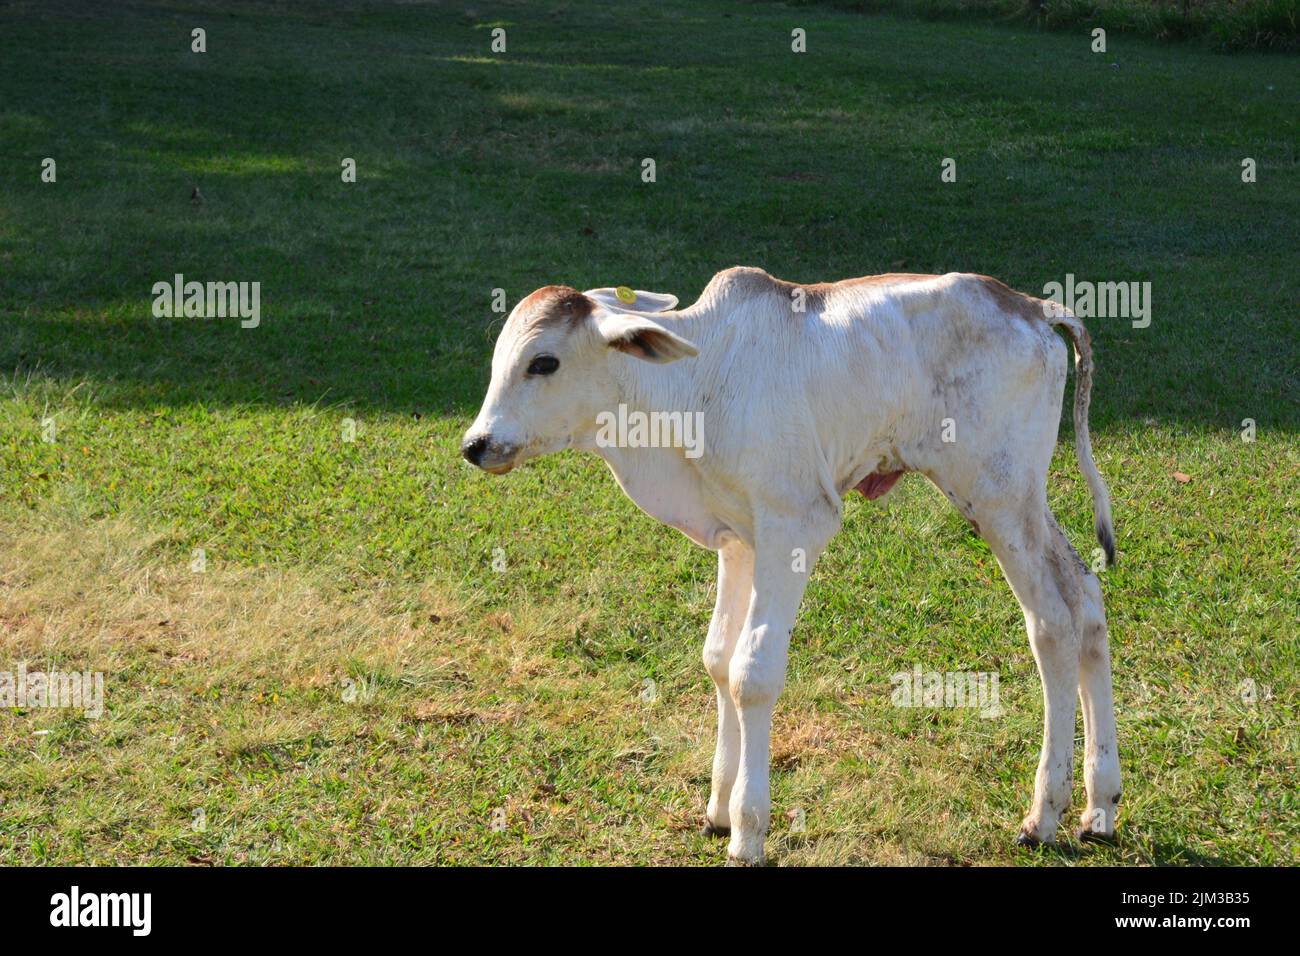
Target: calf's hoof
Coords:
[[737, 861], [1028, 841], [1098, 824], [1031, 841], [711, 829], [1036, 831], [1085, 835]]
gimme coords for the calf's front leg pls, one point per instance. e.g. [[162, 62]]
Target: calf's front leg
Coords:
[[755, 677], [735, 582]]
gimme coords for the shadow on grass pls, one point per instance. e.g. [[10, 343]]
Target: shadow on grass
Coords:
[[478, 173], [1121, 850]]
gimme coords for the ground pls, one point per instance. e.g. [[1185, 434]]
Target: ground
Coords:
[[384, 656]]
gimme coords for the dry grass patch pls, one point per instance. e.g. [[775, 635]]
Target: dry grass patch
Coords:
[[233, 690]]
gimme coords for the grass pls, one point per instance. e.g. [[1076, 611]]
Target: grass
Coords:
[[1224, 25], [372, 561]]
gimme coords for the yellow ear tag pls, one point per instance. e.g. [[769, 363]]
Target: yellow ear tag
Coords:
[[625, 294]]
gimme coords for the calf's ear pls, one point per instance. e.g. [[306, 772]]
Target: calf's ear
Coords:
[[642, 338], [633, 300]]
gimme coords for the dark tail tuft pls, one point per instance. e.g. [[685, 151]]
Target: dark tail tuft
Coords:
[[1107, 542]]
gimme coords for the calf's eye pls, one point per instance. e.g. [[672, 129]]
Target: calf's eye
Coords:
[[543, 365]]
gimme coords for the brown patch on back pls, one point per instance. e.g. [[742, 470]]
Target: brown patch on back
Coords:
[[819, 291], [750, 280], [554, 305], [1009, 300], [887, 278]]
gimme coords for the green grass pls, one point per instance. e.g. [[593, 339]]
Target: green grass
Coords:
[[1224, 25], [373, 560]]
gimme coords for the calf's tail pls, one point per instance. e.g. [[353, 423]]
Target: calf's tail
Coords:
[[1083, 443]]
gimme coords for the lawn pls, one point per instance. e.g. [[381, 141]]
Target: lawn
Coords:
[[326, 640]]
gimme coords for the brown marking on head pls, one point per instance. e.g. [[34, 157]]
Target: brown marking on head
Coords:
[[1016, 303], [554, 305]]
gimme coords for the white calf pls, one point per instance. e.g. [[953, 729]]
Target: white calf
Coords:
[[806, 393]]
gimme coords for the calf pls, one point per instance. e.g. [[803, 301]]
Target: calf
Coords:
[[808, 392]]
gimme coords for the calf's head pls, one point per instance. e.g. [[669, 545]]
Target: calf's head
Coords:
[[553, 369]]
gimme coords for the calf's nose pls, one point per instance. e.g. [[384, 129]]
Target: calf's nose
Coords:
[[473, 449]]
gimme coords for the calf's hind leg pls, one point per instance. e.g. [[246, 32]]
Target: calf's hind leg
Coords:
[[1101, 752], [1024, 539]]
